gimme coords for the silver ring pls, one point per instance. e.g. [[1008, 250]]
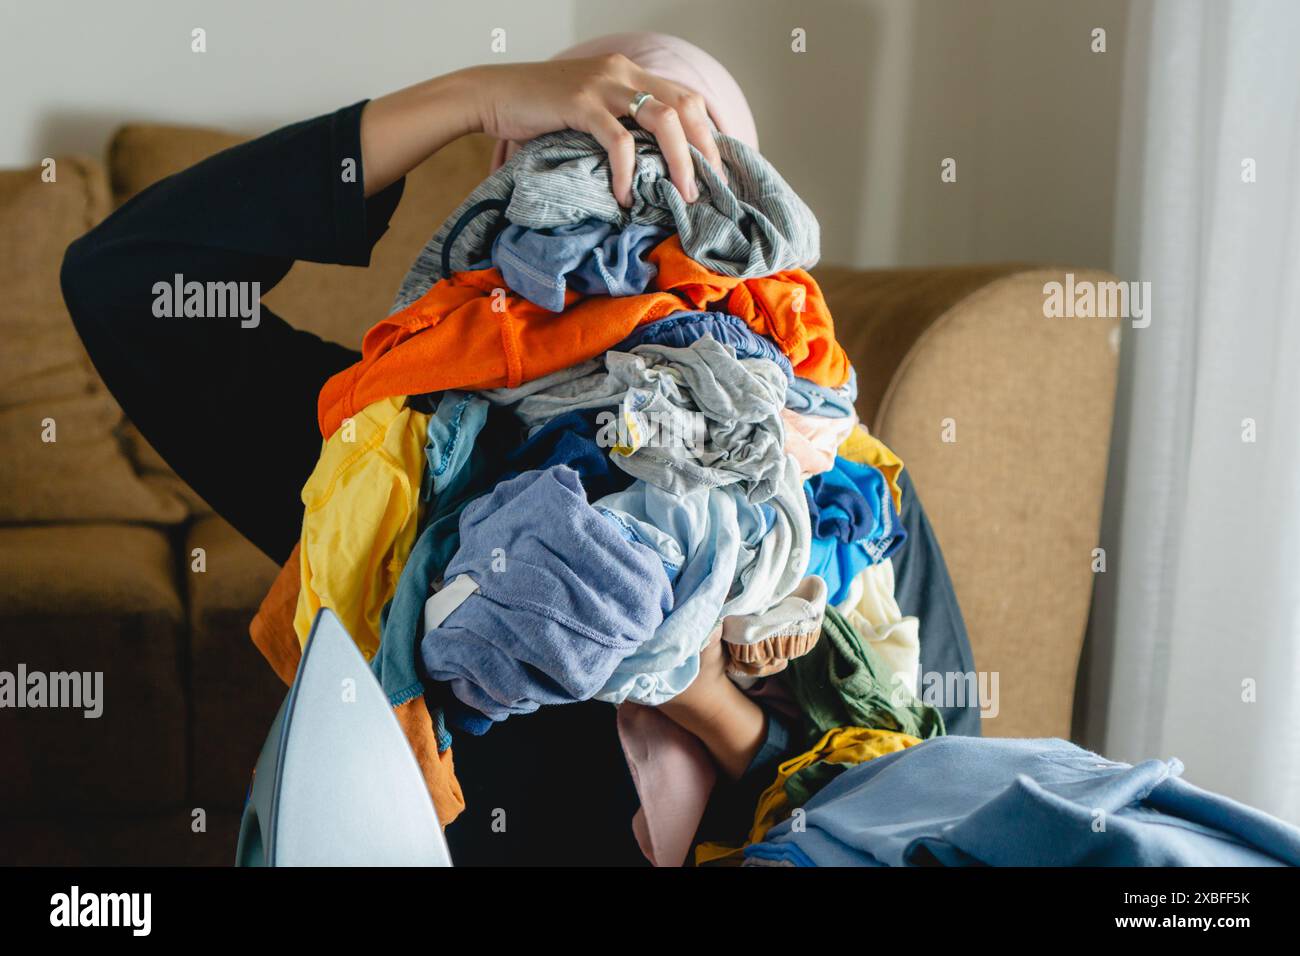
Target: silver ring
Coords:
[[638, 101]]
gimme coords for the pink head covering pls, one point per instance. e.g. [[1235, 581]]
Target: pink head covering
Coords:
[[673, 59]]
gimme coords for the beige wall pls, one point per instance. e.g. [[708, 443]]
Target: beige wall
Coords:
[[71, 71], [887, 89]]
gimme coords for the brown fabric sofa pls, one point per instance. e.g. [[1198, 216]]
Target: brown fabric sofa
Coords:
[[109, 563]]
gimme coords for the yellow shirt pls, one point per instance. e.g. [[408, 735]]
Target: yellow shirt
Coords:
[[362, 506]]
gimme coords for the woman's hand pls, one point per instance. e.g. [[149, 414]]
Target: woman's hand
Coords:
[[522, 100]]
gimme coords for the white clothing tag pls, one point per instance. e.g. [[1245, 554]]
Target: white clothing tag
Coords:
[[441, 603]]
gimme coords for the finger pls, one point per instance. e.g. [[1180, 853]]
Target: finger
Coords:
[[693, 114], [618, 143], [662, 120]]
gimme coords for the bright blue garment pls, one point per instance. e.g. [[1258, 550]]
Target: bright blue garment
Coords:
[[570, 439], [680, 329], [843, 502], [561, 598], [854, 524], [809, 398], [591, 257], [962, 801]]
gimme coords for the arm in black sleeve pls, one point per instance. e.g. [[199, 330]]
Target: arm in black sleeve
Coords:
[[229, 403]]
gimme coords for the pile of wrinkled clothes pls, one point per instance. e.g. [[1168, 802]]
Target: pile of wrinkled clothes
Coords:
[[591, 439], [588, 441]]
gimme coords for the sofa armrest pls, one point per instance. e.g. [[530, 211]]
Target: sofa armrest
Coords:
[[1003, 417]]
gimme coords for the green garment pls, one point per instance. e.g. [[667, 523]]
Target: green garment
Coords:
[[842, 682]]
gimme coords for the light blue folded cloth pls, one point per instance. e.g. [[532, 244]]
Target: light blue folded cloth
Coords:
[[963, 801], [723, 554], [543, 599], [809, 398]]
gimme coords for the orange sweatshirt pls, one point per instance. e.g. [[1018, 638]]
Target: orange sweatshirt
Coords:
[[787, 307], [470, 331]]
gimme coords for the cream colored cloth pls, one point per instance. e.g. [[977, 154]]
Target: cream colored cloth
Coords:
[[872, 609]]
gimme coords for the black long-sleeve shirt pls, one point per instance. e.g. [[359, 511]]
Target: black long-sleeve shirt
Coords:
[[232, 408]]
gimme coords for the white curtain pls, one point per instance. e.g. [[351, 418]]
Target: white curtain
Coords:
[[1196, 632]]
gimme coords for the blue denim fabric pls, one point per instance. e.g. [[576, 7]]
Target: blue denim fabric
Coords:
[[562, 598], [394, 664], [591, 257], [962, 801], [809, 398], [680, 329], [453, 427], [854, 524]]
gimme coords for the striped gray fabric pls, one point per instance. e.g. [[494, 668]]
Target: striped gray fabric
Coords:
[[754, 226]]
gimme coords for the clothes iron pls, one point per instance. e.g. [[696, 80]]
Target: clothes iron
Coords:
[[336, 783]]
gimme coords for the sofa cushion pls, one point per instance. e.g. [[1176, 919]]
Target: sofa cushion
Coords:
[[48, 388], [93, 598], [880, 314], [1003, 418], [235, 694]]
